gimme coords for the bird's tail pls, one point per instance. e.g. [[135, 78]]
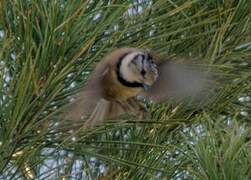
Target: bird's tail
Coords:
[[111, 109]]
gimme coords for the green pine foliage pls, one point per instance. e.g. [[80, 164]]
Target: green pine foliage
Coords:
[[48, 48]]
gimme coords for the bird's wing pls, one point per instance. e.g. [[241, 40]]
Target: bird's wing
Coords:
[[86, 99], [179, 81]]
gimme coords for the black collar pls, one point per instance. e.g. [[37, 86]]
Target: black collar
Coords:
[[122, 80]]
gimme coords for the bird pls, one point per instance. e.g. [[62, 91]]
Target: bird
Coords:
[[127, 73]]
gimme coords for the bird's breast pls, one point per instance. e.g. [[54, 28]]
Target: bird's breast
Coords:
[[114, 90]]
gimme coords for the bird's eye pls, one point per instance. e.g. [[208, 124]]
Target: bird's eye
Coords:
[[151, 61], [149, 57]]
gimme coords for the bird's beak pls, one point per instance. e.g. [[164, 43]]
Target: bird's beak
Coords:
[[146, 87]]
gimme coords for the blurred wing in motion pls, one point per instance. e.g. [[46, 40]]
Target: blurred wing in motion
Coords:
[[179, 81], [86, 100]]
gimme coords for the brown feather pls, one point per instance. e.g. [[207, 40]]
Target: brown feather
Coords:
[[104, 97]]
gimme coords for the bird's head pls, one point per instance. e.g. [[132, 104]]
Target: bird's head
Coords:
[[138, 67]]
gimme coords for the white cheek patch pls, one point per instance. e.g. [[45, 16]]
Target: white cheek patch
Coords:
[[125, 70]]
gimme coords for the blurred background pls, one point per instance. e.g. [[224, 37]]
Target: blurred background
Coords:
[[49, 47]]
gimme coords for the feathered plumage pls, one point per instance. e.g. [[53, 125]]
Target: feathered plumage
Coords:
[[122, 75]]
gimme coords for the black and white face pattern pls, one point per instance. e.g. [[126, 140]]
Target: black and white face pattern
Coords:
[[139, 67]]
